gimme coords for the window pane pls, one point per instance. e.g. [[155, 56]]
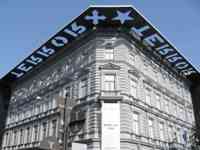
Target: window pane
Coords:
[[132, 59], [158, 102], [148, 97], [109, 82], [133, 85], [83, 88], [54, 126], [161, 128], [170, 133], [166, 106], [35, 133], [135, 123], [109, 54], [150, 124]]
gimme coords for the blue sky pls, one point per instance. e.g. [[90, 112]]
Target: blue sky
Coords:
[[26, 24]]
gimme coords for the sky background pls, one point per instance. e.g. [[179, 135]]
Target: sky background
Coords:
[[26, 24]]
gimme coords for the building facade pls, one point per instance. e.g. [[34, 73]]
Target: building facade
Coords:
[[62, 100]]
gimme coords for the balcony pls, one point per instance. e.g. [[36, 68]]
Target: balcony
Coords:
[[175, 146], [110, 95]]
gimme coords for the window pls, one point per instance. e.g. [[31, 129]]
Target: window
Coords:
[[35, 133], [109, 82], [50, 104], [156, 75], [21, 137], [83, 88], [109, 53], [46, 105], [15, 137], [151, 129], [178, 135], [182, 113], [179, 112], [166, 106], [28, 135], [170, 107], [148, 96], [132, 58], [191, 117], [170, 133], [146, 64], [37, 109], [54, 126], [17, 117], [136, 123], [174, 109], [7, 139], [29, 113], [133, 90], [44, 130], [158, 102], [54, 103], [161, 130]]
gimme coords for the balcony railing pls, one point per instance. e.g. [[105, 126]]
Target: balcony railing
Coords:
[[114, 93]]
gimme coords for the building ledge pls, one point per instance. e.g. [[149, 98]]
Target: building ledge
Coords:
[[110, 96]]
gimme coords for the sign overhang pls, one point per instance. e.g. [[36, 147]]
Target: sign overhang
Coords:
[[126, 18]]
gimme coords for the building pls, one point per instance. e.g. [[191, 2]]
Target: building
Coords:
[[109, 80]]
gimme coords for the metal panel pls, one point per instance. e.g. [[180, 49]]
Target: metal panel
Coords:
[[122, 18]]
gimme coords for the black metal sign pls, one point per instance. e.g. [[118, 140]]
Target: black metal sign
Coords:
[[105, 17]]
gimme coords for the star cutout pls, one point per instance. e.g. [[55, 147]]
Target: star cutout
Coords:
[[122, 17]]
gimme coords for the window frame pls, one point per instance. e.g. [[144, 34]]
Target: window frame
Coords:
[[135, 127], [105, 88], [151, 128], [109, 53]]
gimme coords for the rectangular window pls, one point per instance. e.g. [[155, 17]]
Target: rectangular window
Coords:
[[37, 109], [178, 135], [15, 137], [170, 133], [54, 104], [158, 102], [50, 103], [146, 64], [161, 130], [44, 130], [28, 135], [174, 109], [35, 133], [109, 82], [83, 88], [21, 137], [136, 123], [54, 126], [7, 139], [166, 106], [156, 75], [132, 58], [148, 96], [182, 113], [133, 87], [109, 54], [151, 129]]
